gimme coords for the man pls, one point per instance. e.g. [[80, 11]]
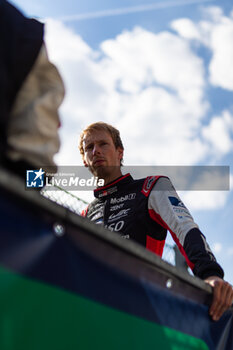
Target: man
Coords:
[[143, 210], [31, 91]]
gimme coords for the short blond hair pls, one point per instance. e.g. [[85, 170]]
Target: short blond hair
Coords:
[[114, 133]]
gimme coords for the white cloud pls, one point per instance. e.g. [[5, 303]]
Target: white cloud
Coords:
[[133, 83], [216, 33], [221, 72], [219, 133], [205, 200], [82, 105], [142, 58], [213, 13], [186, 28], [151, 87], [217, 247]]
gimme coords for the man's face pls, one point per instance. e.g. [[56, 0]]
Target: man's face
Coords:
[[100, 154]]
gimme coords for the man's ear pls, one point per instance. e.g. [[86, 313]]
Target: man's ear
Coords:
[[120, 152], [85, 163]]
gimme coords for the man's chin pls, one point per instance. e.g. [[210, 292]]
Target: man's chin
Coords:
[[100, 172], [103, 171]]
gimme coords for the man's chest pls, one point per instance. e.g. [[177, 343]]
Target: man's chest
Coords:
[[120, 212]]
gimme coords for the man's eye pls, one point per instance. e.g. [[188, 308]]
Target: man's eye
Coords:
[[88, 148]]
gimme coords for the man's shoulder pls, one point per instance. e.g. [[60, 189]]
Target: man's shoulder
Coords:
[[149, 182]]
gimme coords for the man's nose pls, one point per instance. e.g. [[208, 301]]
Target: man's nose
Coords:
[[96, 149]]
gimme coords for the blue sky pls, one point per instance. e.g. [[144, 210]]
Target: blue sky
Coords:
[[162, 73]]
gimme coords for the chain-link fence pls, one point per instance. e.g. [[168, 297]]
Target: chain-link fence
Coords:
[[68, 200]]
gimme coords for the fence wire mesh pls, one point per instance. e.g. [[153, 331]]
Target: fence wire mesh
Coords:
[[66, 199], [76, 205]]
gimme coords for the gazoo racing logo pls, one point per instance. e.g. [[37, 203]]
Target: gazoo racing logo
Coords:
[[127, 197]]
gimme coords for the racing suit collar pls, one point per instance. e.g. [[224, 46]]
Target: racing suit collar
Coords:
[[112, 186]]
